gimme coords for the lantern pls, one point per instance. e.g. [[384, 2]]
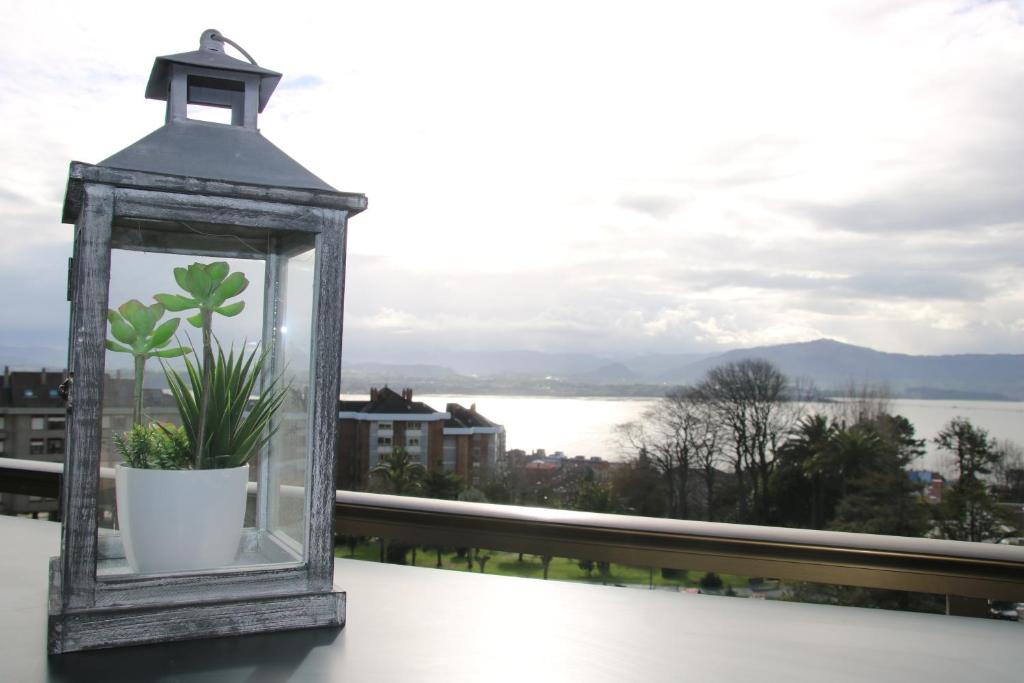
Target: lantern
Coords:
[[206, 294]]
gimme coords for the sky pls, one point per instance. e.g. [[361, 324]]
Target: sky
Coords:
[[613, 178]]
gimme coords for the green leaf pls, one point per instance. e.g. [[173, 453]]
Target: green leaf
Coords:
[[217, 271], [145, 318], [235, 428], [162, 335], [114, 346], [121, 330], [172, 353], [181, 277], [200, 281], [131, 310], [231, 310], [233, 285], [196, 320], [175, 303]]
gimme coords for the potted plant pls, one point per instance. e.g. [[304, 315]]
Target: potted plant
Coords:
[[181, 491]]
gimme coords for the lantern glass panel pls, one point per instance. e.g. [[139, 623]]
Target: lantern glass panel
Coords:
[[275, 323]]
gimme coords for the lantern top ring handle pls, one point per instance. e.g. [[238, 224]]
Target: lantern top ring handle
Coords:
[[213, 40]]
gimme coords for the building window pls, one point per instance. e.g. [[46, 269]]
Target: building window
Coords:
[[383, 440], [449, 454], [54, 446], [413, 426], [3, 446], [38, 422], [414, 442], [36, 446], [384, 426], [53, 393], [105, 422], [55, 422], [3, 422], [28, 393]]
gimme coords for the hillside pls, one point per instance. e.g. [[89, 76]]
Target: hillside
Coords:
[[832, 365]]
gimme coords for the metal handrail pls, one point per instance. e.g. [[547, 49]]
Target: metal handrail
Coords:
[[975, 570], [952, 568]]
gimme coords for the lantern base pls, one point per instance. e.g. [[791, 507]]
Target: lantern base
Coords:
[[71, 630]]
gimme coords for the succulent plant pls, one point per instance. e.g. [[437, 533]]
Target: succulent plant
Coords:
[[134, 329], [209, 286]]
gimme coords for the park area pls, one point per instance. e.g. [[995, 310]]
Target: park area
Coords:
[[559, 569]]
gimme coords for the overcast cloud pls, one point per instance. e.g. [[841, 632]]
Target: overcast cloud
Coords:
[[613, 178]]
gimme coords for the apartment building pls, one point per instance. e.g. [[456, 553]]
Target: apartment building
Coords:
[[457, 439], [32, 418], [472, 443]]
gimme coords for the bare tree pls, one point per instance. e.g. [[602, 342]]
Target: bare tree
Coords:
[[862, 403], [678, 438], [1009, 471], [687, 425], [749, 400]]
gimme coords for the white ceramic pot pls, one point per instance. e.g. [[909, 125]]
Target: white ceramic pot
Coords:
[[180, 520]]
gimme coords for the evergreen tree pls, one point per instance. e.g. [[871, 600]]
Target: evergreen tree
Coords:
[[968, 511]]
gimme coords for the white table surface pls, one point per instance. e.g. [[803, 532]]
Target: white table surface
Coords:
[[415, 624]]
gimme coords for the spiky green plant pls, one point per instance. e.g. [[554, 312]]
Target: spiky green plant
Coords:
[[133, 326], [237, 425], [209, 286]]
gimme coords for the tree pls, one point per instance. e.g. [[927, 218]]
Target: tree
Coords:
[[849, 478], [749, 402], [677, 437], [968, 511], [597, 497], [879, 496], [711, 582], [482, 560], [640, 488], [437, 483], [545, 561], [1009, 471], [398, 473], [801, 479]]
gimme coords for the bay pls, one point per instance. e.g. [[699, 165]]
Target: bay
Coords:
[[586, 426]]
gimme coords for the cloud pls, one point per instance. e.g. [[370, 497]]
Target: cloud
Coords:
[[656, 206], [919, 286], [699, 183], [921, 210]]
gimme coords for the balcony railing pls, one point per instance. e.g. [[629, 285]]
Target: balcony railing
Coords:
[[967, 573]]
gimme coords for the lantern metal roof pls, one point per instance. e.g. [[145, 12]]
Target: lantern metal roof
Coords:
[[215, 151], [210, 55]]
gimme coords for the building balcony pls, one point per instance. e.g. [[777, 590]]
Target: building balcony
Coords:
[[411, 623]]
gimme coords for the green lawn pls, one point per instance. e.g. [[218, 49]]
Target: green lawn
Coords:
[[561, 569]]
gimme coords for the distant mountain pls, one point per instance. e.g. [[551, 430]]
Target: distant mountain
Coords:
[[612, 373], [387, 371], [663, 367], [531, 363], [832, 365]]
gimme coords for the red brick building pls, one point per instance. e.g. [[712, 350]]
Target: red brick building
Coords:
[[458, 439]]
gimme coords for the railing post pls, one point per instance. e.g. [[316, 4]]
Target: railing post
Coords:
[[959, 606]]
